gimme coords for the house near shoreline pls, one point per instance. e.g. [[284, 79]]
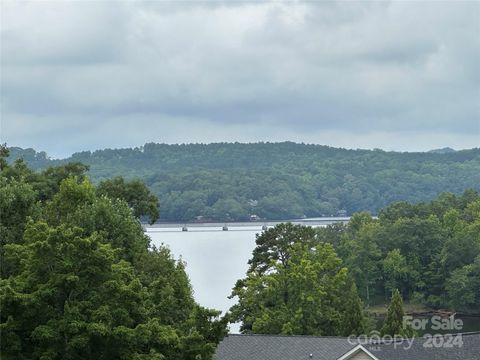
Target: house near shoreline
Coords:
[[283, 347]]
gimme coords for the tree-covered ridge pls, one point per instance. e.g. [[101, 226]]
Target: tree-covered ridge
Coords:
[[79, 278], [231, 181]]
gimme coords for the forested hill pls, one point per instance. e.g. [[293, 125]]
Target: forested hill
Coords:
[[231, 181]]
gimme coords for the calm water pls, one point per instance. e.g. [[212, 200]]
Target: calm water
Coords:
[[215, 259]]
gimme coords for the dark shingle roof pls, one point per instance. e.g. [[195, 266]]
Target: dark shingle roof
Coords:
[[439, 348], [277, 347]]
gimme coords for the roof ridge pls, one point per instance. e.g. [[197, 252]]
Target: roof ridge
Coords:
[[285, 335], [469, 333]]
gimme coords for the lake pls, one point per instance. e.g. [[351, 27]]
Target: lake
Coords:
[[215, 259]]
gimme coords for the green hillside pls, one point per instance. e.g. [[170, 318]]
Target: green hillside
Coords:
[[231, 181]]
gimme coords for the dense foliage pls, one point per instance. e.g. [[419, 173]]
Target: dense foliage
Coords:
[[297, 285], [309, 281], [429, 251], [276, 180], [135, 193], [79, 279]]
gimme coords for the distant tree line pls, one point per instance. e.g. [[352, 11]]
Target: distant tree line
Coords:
[[231, 181]]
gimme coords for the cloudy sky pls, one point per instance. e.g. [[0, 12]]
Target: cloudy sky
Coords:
[[85, 75]]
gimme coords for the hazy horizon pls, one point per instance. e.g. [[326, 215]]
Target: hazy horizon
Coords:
[[400, 76]]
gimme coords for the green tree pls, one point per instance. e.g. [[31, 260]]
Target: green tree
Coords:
[[361, 251], [71, 299], [135, 193], [273, 246], [394, 324], [49, 181], [73, 193], [80, 281], [4, 153], [462, 246], [17, 203], [115, 221], [354, 321], [463, 287], [295, 286], [395, 270]]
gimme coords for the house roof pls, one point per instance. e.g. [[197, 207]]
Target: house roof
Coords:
[[278, 347]]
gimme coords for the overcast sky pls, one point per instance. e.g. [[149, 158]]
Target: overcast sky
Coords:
[[85, 75]]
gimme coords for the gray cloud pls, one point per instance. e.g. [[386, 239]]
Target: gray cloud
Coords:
[[85, 75]]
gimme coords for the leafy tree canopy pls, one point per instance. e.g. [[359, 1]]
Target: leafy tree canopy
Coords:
[[294, 286], [135, 193], [79, 279]]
